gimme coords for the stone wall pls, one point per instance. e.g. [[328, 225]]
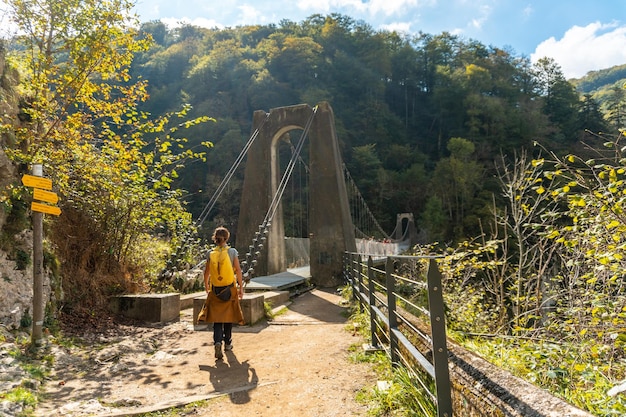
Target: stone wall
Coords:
[[16, 285]]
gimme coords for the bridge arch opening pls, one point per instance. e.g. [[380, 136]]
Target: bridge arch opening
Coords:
[[294, 204]]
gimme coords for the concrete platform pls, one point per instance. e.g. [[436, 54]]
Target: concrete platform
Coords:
[[152, 308], [281, 281]]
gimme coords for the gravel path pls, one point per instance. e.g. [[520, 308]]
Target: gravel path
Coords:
[[296, 365]]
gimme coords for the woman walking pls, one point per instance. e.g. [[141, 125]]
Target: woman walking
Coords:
[[221, 268]]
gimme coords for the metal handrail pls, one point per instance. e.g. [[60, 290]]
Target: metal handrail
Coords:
[[372, 294]]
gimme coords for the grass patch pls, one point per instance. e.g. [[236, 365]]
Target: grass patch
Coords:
[[268, 309], [21, 395], [378, 359], [270, 312], [404, 395], [36, 363]]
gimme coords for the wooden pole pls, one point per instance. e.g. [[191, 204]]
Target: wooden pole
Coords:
[[37, 269]]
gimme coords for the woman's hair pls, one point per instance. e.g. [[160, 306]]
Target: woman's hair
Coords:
[[221, 234]]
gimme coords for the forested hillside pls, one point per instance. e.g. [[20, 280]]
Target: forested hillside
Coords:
[[607, 88], [421, 119]]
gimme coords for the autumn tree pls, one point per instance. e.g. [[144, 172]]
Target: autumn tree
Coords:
[[112, 165]]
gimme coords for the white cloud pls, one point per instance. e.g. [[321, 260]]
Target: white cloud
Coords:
[[371, 7], [583, 49], [389, 7], [485, 12], [400, 27], [250, 15], [173, 22], [528, 12]]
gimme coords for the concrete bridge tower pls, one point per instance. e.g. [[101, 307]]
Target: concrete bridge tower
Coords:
[[330, 225]]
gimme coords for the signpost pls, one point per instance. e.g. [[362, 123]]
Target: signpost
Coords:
[[39, 184], [46, 196], [44, 208]]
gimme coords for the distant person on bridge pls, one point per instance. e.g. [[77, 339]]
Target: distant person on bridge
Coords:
[[223, 296]]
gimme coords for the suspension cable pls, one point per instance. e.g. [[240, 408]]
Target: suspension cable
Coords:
[[209, 206], [363, 205]]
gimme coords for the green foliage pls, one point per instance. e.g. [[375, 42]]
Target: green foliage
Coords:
[[346, 293], [359, 323], [577, 371], [595, 80], [268, 309], [554, 279], [20, 395], [22, 259], [403, 396], [26, 320], [15, 207], [434, 219], [455, 181]]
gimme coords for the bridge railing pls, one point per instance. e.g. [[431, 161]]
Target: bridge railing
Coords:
[[407, 319]]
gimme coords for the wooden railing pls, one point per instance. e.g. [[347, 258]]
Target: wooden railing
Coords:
[[400, 300]]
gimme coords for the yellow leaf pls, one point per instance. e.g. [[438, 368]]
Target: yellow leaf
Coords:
[[613, 224], [553, 234], [541, 190]]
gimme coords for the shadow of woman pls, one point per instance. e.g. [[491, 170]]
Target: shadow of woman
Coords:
[[234, 378]]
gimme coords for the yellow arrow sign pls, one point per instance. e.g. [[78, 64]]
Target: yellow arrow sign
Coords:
[[44, 208], [37, 182], [47, 196]]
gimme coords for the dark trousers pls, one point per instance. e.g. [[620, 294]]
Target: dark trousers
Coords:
[[223, 332]]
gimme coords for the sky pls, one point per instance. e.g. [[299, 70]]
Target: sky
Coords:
[[580, 35]]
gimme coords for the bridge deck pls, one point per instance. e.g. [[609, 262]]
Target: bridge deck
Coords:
[[281, 281]]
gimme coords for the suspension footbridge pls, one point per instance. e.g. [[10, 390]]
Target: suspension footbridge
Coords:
[[338, 218]]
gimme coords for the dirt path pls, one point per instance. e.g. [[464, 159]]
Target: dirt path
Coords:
[[297, 365]]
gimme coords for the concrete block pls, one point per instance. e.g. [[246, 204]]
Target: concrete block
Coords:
[[252, 307], [276, 298], [152, 308]]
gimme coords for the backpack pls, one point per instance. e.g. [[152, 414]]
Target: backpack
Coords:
[[221, 266]]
